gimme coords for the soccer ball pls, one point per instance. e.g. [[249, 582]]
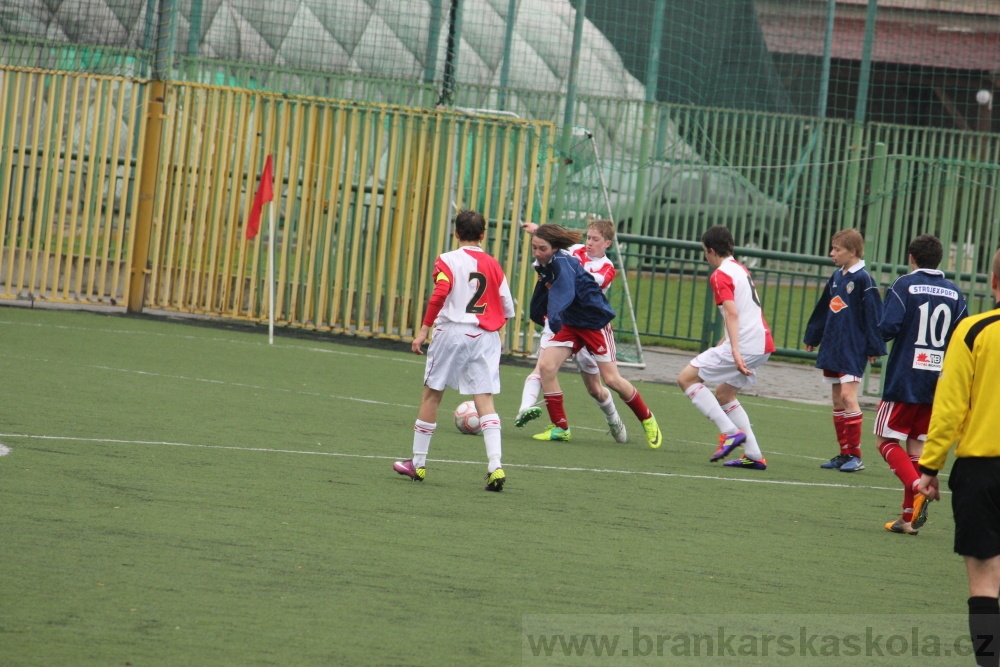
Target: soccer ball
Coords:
[[467, 419]]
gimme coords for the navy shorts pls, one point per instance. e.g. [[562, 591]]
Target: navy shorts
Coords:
[[975, 503]]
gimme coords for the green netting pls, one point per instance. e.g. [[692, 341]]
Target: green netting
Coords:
[[923, 61], [767, 116]]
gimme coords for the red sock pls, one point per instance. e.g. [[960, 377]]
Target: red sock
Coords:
[[911, 491], [639, 407], [902, 467], [554, 404], [852, 433], [838, 426], [900, 464]]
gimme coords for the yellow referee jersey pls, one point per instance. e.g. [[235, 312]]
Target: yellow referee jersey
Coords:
[[967, 398]]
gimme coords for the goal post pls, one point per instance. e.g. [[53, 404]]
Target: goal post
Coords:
[[587, 199]]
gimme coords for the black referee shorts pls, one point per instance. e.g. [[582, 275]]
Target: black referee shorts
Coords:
[[975, 503]]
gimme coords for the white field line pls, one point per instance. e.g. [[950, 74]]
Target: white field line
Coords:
[[753, 400], [298, 392], [355, 399], [243, 385], [217, 339], [526, 466]]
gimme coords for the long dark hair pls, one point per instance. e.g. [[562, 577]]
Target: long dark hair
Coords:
[[557, 236]]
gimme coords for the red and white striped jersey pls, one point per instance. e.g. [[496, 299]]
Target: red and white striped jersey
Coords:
[[602, 269], [469, 288], [732, 282]]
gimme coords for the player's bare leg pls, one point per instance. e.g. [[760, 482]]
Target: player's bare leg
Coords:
[[429, 404]]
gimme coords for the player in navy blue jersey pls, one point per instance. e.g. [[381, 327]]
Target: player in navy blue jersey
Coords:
[[579, 316], [921, 311], [844, 326]]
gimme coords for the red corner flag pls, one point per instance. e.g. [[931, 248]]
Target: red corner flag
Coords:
[[265, 193]]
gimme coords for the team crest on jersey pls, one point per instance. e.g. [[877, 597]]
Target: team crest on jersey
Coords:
[[927, 360], [850, 287], [837, 304]]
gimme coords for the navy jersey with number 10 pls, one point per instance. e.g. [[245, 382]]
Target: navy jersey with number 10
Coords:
[[920, 314]]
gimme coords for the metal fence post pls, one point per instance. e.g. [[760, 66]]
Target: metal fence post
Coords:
[[568, 112], [151, 145]]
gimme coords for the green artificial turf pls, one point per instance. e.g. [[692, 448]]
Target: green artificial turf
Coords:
[[186, 494]]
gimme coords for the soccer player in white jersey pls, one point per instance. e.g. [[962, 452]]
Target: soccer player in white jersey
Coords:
[[730, 365], [919, 314], [471, 301], [593, 256]]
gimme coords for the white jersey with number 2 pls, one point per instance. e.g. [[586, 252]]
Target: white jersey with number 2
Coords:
[[479, 291], [732, 282]]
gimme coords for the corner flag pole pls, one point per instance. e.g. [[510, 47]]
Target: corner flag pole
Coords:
[[265, 194]]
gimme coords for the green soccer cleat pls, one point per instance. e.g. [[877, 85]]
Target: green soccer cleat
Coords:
[[526, 415], [495, 480], [653, 434], [553, 432]]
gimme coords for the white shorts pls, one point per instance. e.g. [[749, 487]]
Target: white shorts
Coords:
[[463, 357], [585, 360], [832, 377], [716, 365]]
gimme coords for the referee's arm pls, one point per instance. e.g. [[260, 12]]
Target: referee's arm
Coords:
[[951, 404]]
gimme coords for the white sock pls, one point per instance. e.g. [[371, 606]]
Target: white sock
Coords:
[[707, 404], [609, 409], [529, 395], [739, 417], [491, 436], [422, 432]]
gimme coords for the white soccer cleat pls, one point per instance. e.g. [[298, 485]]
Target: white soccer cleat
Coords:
[[617, 429]]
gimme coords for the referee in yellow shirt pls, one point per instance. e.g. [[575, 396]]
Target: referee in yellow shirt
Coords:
[[967, 411]]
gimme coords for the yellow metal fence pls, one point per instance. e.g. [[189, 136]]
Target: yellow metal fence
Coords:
[[66, 185], [364, 197]]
